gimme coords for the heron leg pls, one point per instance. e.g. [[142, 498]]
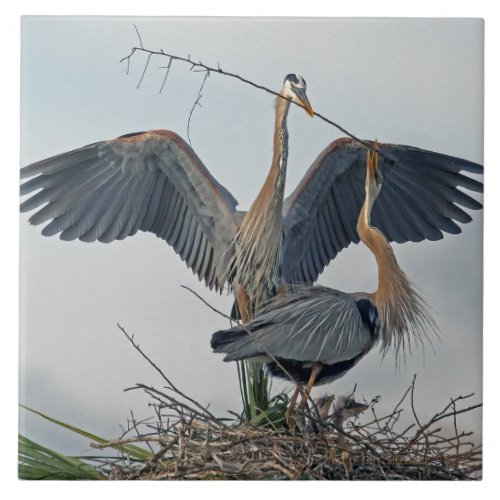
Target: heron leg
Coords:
[[312, 378], [243, 303], [289, 410]]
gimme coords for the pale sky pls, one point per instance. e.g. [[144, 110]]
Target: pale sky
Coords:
[[417, 82]]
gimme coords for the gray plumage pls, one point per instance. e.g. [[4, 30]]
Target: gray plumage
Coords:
[[151, 181], [315, 334], [420, 200], [154, 182], [313, 324]]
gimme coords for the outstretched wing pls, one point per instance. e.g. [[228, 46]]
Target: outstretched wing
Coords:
[[149, 181], [313, 324], [420, 199]]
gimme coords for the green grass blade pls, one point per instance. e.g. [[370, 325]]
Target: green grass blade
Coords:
[[38, 462], [134, 451]]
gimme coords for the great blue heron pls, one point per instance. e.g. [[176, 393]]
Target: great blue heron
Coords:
[[153, 181], [316, 334]]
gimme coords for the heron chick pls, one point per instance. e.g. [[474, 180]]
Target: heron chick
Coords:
[[346, 407]]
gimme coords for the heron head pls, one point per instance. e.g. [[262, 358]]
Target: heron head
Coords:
[[294, 87], [348, 406]]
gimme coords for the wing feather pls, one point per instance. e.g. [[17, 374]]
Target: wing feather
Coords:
[[313, 324], [431, 195], [149, 181], [420, 199]]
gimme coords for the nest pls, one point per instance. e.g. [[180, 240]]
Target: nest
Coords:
[[186, 442]]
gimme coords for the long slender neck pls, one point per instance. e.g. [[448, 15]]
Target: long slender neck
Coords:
[[260, 235], [273, 189], [402, 312], [389, 273]]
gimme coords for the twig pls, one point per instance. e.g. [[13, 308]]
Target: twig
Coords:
[[169, 382], [196, 103], [146, 357], [412, 400], [211, 69], [206, 303], [144, 71], [138, 36], [166, 74]]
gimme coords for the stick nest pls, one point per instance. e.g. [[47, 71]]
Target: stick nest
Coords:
[[185, 441]]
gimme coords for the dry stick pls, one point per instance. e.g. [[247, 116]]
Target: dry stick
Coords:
[[157, 395], [144, 71], [138, 35], [412, 387], [196, 103], [136, 429], [439, 416], [206, 303], [469, 408], [169, 382], [219, 70], [166, 74]]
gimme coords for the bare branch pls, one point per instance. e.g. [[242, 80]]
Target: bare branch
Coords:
[[167, 71], [206, 303], [211, 69], [169, 382], [196, 103], [144, 71], [139, 36]]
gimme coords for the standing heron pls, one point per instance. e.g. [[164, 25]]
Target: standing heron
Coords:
[[154, 182], [315, 334]]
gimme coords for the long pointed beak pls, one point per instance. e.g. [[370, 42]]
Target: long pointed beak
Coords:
[[372, 160], [358, 407], [302, 98], [353, 409]]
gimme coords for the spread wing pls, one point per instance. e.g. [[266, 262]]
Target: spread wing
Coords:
[[421, 198], [312, 324], [149, 181]]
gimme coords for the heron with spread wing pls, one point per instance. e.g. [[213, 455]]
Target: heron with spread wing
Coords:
[[154, 182], [315, 334]]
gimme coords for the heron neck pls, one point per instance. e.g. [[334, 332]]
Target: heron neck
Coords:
[[273, 189], [388, 268], [277, 171], [260, 235], [271, 195], [402, 312]]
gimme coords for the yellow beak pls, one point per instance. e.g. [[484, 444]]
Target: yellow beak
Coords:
[[303, 100], [372, 160]]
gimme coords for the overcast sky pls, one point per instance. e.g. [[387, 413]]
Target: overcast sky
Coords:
[[417, 82]]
